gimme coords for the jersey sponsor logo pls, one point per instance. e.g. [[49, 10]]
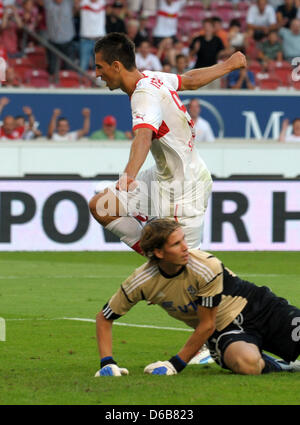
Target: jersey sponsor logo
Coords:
[[168, 305], [185, 308]]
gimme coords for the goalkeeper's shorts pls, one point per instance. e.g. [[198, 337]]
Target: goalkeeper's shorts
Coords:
[[267, 321]]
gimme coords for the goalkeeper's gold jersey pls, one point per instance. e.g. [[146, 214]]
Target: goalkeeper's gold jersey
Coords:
[[203, 281]]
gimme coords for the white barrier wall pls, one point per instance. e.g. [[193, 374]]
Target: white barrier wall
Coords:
[[88, 159], [54, 215]]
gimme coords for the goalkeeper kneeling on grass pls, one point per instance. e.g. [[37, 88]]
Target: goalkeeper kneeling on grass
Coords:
[[237, 319]]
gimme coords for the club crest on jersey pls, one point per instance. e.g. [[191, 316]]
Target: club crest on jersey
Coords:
[[191, 290]]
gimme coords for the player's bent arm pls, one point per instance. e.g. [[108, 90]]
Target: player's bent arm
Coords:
[[206, 327], [140, 147], [196, 78]]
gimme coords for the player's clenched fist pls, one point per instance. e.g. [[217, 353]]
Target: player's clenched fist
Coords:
[[237, 60], [160, 368], [126, 183]]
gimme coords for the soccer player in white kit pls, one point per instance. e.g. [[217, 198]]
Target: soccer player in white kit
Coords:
[[179, 184]]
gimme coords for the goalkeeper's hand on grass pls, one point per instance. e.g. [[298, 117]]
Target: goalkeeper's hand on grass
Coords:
[[108, 367], [160, 368], [111, 370], [168, 367]]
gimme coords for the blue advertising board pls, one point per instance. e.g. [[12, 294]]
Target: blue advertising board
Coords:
[[250, 114]]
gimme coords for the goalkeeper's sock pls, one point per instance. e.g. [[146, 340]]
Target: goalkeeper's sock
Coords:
[[129, 230], [275, 365]]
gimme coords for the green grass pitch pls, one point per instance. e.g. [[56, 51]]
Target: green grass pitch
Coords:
[[49, 360]]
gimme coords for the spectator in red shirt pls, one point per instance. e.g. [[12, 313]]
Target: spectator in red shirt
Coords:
[[9, 130], [10, 25]]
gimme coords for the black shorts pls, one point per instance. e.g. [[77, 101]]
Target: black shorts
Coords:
[[267, 321]]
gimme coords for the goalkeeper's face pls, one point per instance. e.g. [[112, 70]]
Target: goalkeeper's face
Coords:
[[175, 250]]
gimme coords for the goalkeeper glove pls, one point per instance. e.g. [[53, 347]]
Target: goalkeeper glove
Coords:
[[171, 367], [109, 367]]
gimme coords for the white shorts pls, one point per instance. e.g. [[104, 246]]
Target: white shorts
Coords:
[[153, 199]]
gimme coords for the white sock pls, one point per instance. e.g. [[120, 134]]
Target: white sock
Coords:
[[128, 229]]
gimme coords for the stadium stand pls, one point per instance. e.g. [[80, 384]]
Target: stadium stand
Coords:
[[33, 56], [38, 78]]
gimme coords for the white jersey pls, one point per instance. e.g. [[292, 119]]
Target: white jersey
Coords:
[[92, 18], [156, 105], [167, 18]]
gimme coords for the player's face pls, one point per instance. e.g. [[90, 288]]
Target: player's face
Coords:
[[175, 250], [108, 73]]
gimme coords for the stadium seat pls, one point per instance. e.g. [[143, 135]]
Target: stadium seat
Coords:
[[192, 14], [21, 66], [221, 5], [243, 5], [282, 71], [37, 57], [295, 84], [270, 83], [86, 82], [225, 14], [255, 66], [184, 25], [194, 4], [37, 78], [68, 79]]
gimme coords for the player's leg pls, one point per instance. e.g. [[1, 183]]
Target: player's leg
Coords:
[[281, 332], [244, 358], [111, 213]]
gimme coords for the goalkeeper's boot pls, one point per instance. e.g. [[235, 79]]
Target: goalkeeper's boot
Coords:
[[289, 367], [202, 357]]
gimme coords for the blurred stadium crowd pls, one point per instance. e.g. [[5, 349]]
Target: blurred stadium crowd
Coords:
[[170, 36]]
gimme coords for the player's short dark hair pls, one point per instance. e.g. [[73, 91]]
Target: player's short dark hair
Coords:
[[155, 234], [117, 47]]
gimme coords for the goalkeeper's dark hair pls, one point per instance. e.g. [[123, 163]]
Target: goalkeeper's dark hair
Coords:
[[155, 234], [116, 46]]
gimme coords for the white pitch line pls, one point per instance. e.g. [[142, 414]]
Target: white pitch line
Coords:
[[133, 325]]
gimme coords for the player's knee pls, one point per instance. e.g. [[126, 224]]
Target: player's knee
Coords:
[[249, 363], [95, 209]]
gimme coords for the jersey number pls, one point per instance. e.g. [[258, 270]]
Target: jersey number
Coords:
[[178, 102]]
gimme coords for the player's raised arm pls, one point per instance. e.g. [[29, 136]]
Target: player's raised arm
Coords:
[[196, 78]]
